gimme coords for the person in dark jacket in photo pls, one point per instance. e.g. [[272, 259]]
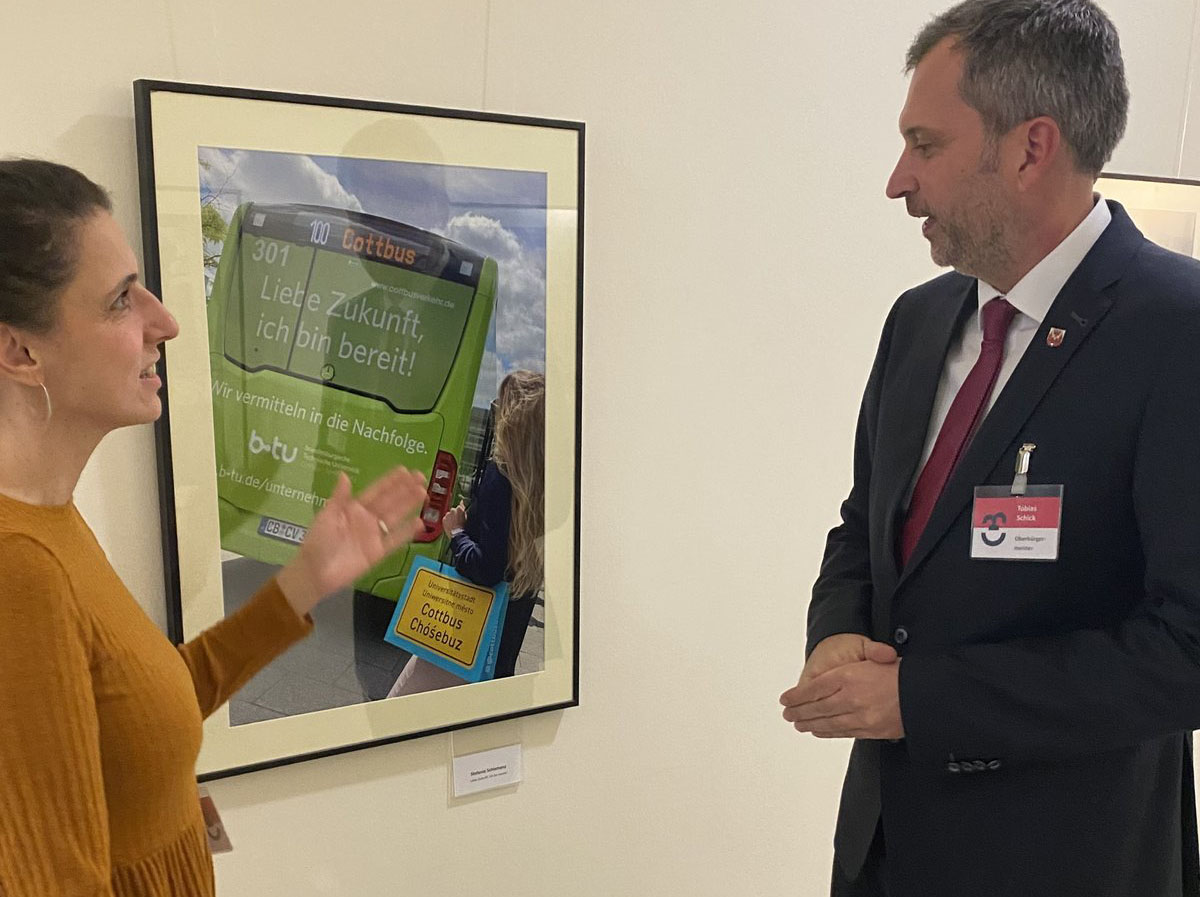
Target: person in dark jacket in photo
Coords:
[[500, 538]]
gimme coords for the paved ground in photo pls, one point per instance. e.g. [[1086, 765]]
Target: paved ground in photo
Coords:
[[322, 671]]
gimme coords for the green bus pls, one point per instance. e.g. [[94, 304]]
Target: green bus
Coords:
[[339, 341]]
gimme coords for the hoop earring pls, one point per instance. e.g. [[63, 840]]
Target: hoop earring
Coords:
[[49, 405]]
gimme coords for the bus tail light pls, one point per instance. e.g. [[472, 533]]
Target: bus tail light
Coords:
[[437, 501]]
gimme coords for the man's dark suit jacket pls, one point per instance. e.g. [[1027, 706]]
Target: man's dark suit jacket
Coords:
[[1047, 706]]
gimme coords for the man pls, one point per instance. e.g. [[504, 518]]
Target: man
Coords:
[[1022, 726]]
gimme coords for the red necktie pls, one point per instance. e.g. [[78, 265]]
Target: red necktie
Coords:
[[961, 420]]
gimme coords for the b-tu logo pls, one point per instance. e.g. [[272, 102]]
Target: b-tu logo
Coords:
[[994, 522], [280, 451]]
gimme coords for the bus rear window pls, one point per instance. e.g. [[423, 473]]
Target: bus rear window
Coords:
[[350, 301]]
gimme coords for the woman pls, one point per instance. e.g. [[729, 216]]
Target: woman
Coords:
[[100, 715], [502, 536]]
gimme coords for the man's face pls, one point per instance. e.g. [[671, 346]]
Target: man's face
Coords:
[[948, 173]]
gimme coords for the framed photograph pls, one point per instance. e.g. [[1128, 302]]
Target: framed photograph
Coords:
[[1164, 209], [359, 285]]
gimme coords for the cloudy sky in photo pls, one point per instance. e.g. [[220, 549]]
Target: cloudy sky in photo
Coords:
[[496, 212]]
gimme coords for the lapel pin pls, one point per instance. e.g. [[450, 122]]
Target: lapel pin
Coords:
[[1054, 338]]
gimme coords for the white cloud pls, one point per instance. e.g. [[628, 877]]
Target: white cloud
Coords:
[[232, 177], [521, 297], [238, 176]]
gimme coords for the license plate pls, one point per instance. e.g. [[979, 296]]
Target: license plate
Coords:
[[281, 530]]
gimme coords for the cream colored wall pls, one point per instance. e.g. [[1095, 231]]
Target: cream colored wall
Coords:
[[740, 257]]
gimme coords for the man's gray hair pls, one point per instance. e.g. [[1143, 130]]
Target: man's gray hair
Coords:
[[1028, 58]]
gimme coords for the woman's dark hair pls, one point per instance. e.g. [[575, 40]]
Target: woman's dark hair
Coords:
[[42, 205]]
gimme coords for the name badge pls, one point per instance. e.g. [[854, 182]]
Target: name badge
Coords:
[[218, 838], [1007, 527]]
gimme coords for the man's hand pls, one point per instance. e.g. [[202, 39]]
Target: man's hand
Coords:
[[843, 648], [850, 688]]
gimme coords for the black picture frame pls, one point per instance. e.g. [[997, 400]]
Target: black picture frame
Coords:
[[175, 124]]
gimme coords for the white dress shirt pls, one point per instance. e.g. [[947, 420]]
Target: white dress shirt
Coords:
[[1032, 297]]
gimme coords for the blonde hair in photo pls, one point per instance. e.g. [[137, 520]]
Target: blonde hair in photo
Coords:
[[519, 453]]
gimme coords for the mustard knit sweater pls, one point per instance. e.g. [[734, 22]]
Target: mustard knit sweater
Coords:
[[100, 717]]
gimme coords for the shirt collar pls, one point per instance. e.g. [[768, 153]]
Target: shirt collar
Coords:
[[1034, 293]]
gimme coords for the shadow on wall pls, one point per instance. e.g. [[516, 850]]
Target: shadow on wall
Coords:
[[104, 147]]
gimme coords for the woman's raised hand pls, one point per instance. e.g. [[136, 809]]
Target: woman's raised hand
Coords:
[[353, 533]]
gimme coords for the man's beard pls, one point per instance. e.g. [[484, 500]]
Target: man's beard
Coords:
[[971, 250], [978, 244]]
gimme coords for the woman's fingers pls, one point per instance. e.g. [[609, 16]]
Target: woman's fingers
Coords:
[[402, 534], [341, 489], [394, 496], [395, 500]]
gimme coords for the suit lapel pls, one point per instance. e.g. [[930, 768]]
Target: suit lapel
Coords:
[[1078, 308], [904, 417]]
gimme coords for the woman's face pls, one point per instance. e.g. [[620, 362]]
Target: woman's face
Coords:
[[98, 358]]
